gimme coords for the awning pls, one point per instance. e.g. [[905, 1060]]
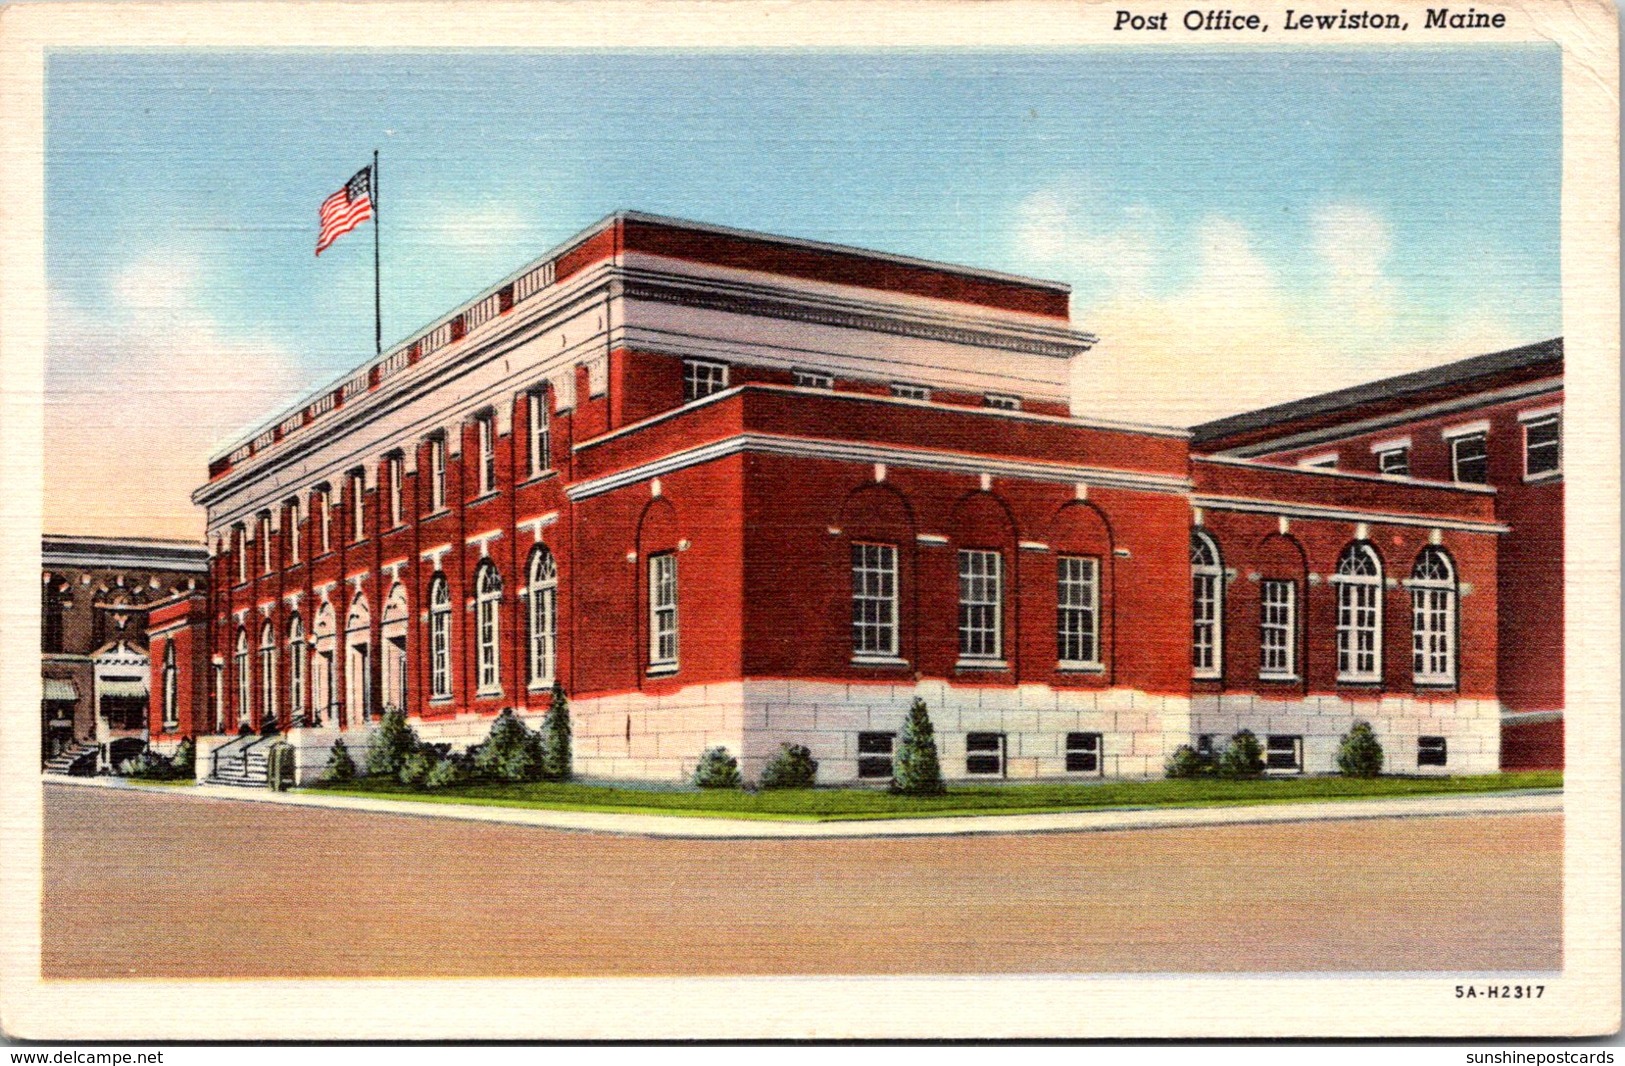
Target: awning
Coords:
[[58, 689], [134, 689]]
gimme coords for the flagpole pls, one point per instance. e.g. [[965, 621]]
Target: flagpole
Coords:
[[377, 304]]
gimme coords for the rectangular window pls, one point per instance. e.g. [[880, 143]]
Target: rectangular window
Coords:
[[1278, 628], [981, 612], [663, 610], [1395, 461], [326, 502], [397, 478], [242, 555], [701, 378], [294, 546], [265, 542], [219, 697], [437, 474], [541, 441], [1205, 622], [1543, 446], [984, 754], [1077, 611], [1469, 458], [1083, 753], [1004, 403], [874, 754], [874, 600], [1431, 751], [1284, 753], [358, 506], [1433, 634], [813, 379], [1358, 623], [488, 453], [910, 392], [1204, 744]]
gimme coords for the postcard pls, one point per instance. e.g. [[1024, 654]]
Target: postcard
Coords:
[[632, 521]]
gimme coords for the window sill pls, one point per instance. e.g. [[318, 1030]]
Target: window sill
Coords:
[[661, 670], [1280, 679], [1537, 479], [439, 512], [488, 694], [1080, 668], [1207, 677], [441, 701], [981, 664], [1430, 684], [878, 660], [534, 478], [482, 497], [1359, 682], [540, 686]]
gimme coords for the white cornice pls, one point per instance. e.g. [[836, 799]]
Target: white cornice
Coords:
[[1292, 509], [868, 454]]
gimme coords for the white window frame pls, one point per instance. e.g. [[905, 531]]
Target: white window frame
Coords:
[[1352, 589], [267, 673], [702, 378], [541, 438], [437, 473], [397, 477], [1003, 401], [541, 593], [981, 607], [1000, 751], [1404, 452], [1532, 419], [871, 739], [219, 678], [439, 638], [358, 506], [265, 542], [326, 497], [245, 682], [1290, 744], [813, 379], [1443, 749], [296, 667], [874, 602], [294, 545], [902, 390], [663, 618], [1278, 629], [1434, 601], [488, 629], [1207, 608], [1077, 617], [172, 712], [1086, 744], [486, 432], [242, 553], [1455, 435]]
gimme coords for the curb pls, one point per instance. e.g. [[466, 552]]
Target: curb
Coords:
[[709, 828]]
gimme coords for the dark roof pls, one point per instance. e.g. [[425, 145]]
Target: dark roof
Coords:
[[1517, 364], [116, 552]]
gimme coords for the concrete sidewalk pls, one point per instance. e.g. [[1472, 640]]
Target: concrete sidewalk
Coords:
[[717, 828]]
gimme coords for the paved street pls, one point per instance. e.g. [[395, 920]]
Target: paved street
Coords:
[[155, 885]]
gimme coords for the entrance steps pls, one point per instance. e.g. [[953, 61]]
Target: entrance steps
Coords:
[[77, 761]]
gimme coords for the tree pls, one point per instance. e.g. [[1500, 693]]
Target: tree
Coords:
[[556, 756], [390, 745], [915, 769], [511, 753], [340, 767], [1360, 752], [185, 759], [1243, 756]]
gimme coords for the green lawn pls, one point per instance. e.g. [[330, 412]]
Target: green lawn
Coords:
[[841, 804]]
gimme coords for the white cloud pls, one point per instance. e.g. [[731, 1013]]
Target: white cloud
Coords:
[[141, 388], [1234, 330]]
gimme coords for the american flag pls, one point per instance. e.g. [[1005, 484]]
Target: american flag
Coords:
[[346, 209]]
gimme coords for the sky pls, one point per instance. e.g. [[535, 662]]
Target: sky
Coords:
[[1240, 227]]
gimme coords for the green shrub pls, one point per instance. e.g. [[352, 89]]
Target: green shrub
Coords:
[[1360, 752], [416, 767], [340, 767], [1186, 761], [717, 769], [185, 759], [390, 745], [915, 769], [792, 767], [1243, 756], [511, 753], [557, 762], [447, 772], [148, 765]]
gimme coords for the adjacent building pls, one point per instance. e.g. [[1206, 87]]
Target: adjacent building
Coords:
[[95, 595], [1494, 421], [729, 488]]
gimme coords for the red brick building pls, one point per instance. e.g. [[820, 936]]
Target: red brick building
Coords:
[[1493, 420], [737, 489]]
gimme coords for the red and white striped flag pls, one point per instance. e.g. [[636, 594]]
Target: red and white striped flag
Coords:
[[346, 209]]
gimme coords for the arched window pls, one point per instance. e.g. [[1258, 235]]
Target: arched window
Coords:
[[1433, 618], [1207, 606], [171, 703], [542, 592], [245, 698], [267, 673], [487, 607], [296, 668], [1359, 614], [439, 638]]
